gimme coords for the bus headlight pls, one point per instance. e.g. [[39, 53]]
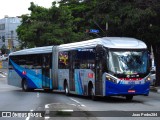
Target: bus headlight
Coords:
[[148, 79], [111, 79]]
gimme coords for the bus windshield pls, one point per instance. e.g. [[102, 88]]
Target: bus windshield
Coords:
[[128, 62]]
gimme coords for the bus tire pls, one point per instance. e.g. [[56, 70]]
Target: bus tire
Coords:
[[94, 98], [129, 97], [24, 85], [66, 89], [91, 92]]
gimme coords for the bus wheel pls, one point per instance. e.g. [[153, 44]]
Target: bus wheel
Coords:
[[24, 85], [66, 89], [94, 98], [129, 97], [91, 92]]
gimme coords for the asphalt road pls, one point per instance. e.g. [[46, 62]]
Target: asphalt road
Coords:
[[14, 99]]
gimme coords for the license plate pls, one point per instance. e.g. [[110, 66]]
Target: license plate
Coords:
[[131, 91]]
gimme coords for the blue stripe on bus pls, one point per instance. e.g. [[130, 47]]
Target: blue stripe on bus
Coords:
[[78, 82], [33, 82], [121, 89]]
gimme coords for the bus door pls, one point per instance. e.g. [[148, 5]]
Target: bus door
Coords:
[[46, 74], [71, 70], [98, 70]]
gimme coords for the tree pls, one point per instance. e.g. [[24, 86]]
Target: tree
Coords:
[[133, 18], [68, 22], [82, 21], [46, 27], [3, 49]]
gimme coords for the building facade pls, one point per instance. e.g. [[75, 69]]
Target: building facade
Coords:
[[8, 34]]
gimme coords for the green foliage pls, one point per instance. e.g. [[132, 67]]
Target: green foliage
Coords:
[[70, 21], [73, 18], [45, 27], [3, 49]]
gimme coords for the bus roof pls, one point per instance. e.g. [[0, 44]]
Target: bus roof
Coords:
[[109, 42], [37, 50]]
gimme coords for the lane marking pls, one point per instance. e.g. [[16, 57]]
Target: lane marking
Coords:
[[82, 105], [2, 75], [47, 106], [72, 104], [37, 94], [46, 117], [5, 73], [75, 100]]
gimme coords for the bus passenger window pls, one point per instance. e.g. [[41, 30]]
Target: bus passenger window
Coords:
[[86, 58], [77, 65], [63, 60]]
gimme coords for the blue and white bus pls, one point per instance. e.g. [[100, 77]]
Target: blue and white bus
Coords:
[[108, 66]]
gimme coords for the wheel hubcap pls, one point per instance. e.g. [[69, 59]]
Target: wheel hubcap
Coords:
[[25, 85], [66, 89]]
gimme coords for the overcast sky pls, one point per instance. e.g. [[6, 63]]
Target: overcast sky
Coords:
[[14, 8]]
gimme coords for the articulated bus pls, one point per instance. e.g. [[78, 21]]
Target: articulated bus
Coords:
[[107, 66]]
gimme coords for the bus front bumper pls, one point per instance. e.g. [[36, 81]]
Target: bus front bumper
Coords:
[[112, 89]]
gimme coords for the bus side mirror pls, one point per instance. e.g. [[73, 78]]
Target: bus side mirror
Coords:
[[153, 72], [100, 50]]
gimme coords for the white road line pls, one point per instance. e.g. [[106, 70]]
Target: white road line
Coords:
[[72, 104], [38, 94], [46, 118], [5, 73], [2, 75], [83, 105], [77, 102], [47, 106]]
